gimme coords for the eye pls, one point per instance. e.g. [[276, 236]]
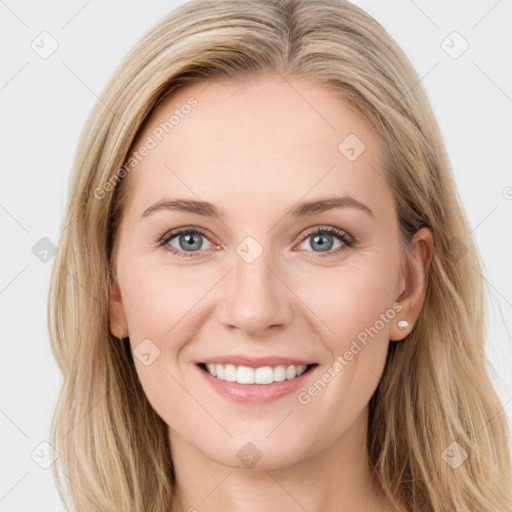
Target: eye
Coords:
[[321, 238], [188, 241]]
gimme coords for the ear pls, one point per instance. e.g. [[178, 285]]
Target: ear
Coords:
[[416, 283], [118, 324]]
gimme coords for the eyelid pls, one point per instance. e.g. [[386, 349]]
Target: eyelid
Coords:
[[178, 231], [333, 230]]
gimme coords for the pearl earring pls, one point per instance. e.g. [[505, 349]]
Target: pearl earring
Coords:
[[403, 324]]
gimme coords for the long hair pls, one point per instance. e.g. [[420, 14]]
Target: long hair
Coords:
[[435, 390]]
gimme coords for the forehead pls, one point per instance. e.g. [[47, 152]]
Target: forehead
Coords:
[[260, 139]]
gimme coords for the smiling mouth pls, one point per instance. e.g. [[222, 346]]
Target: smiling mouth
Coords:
[[262, 375]]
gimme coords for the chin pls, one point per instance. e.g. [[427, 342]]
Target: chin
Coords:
[[258, 454]]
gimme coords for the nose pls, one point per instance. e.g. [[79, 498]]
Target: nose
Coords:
[[256, 297]]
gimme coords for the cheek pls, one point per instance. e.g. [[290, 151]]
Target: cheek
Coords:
[[159, 301], [355, 303], [160, 314], [352, 300]]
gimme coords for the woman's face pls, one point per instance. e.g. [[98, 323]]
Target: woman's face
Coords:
[[252, 280]]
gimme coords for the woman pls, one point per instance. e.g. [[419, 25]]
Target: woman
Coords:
[[266, 294]]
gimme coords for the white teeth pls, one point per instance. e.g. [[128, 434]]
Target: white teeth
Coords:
[[264, 375], [291, 372], [229, 373], [247, 375], [279, 373]]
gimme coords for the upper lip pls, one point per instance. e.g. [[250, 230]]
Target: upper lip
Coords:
[[255, 362]]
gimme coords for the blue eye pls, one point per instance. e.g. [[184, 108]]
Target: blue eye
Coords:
[[187, 239], [322, 239], [190, 241]]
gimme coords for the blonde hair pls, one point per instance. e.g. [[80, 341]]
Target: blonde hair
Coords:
[[435, 389]]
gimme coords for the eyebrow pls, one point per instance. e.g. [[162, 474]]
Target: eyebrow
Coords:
[[302, 209]]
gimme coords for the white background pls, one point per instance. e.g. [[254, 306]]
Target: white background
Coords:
[[44, 105]]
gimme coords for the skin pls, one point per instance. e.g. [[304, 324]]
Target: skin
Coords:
[[255, 149]]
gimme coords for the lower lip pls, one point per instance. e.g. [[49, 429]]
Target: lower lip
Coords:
[[258, 393]]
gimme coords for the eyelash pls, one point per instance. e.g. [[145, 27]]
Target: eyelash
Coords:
[[347, 240]]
